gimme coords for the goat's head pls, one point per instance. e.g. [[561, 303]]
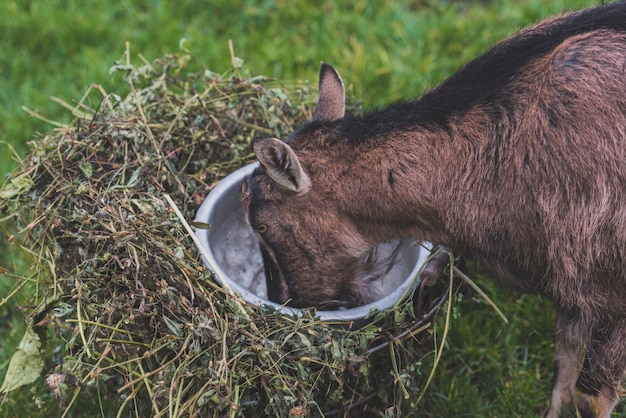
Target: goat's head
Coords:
[[313, 254]]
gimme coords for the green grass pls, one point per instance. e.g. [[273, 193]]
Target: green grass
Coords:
[[492, 369], [385, 50]]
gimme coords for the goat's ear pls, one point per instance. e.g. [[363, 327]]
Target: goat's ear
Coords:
[[281, 164], [331, 104]]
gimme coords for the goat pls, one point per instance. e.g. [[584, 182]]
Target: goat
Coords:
[[517, 161]]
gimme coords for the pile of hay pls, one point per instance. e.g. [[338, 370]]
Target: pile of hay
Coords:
[[142, 326]]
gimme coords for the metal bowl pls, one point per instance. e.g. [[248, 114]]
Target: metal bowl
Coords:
[[232, 253]]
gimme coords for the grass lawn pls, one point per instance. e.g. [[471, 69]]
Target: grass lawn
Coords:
[[385, 50]]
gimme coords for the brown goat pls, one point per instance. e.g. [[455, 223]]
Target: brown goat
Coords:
[[517, 161]]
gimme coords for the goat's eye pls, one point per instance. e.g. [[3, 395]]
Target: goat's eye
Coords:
[[262, 228]]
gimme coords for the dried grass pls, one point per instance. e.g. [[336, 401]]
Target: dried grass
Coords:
[[142, 325]]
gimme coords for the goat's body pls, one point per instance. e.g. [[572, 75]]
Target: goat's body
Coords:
[[518, 161]]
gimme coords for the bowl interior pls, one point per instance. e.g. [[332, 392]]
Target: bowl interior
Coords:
[[234, 256]]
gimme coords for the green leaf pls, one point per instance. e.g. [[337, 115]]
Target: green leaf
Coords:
[[26, 364]]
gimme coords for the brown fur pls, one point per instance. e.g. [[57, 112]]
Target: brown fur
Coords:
[[518, 161]]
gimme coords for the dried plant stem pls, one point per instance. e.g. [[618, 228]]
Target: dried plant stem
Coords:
[[42, 118], [71, 402], [446, 328], [396, 371], [153, 372], [202, 250], [15, 155], [81, 328], [478, 290], [13, 292], [145, 381]]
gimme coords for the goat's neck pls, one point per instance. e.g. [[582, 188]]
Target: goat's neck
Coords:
[[400, 187]]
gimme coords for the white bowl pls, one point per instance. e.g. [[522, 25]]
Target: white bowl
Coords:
[[233, 255]]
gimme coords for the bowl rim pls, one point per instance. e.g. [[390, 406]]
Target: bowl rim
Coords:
[[205, 212]]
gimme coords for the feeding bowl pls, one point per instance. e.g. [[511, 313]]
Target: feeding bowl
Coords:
[[232, 253]]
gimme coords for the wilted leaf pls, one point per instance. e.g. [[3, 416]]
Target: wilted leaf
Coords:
[[62, 310], [86, 168], [16, 186], [26, 364], [134, 178], [173, 326], [200, 225]]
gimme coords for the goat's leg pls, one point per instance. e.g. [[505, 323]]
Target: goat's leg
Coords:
[[568, 361], [600, 381]]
